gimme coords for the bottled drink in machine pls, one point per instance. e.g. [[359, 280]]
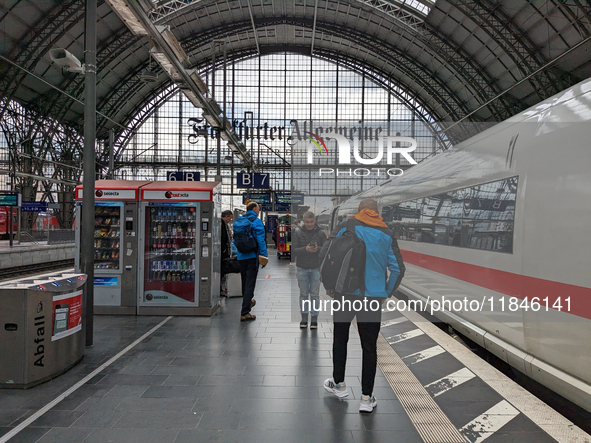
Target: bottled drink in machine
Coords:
[[172, 248]]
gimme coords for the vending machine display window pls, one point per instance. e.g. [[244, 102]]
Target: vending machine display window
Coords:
[[107, 239], [170, 253]]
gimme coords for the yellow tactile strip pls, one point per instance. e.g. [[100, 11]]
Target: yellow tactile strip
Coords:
[[430, 421]]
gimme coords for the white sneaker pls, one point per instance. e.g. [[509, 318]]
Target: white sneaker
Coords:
[[338, 389], [367, 403]]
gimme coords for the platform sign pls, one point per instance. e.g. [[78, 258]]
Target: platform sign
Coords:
[[253, 180], [34, 206], [183, 176], [287, 198], [399, 213], [263, 199], [10, 199], [259, 198]]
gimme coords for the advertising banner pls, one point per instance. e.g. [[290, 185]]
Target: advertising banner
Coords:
[[67, 315]]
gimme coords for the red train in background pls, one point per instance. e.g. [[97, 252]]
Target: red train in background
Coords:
[[41, 222], [4, 224]]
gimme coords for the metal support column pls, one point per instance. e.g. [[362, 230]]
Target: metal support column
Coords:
[[111, 154], [225, 120], [87, 225]]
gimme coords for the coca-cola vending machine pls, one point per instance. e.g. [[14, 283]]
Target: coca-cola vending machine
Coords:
[[180, 248], [115, 243]]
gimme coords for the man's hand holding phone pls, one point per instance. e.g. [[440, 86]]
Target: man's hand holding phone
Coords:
[[312, 247]]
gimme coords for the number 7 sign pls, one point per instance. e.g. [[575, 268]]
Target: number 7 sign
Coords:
[[252, 180], [261, 181]]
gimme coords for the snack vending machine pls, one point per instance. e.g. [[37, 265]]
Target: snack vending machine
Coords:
[[180, 248], [115, 244]]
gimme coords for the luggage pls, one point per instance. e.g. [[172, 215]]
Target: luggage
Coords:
[[230, 266]]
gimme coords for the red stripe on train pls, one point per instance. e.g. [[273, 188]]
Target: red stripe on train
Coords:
[[508, 283]]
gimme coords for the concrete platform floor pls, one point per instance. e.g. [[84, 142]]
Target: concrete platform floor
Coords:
[[197, 379]]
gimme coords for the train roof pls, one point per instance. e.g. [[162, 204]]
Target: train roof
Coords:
[[483, 158]]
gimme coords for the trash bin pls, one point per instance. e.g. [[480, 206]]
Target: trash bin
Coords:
[[41, 333]]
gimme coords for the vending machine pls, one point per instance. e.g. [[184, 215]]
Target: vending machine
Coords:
[[180, 248], [115, 244]]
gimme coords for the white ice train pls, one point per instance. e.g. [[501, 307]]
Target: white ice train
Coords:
[[501, 224]]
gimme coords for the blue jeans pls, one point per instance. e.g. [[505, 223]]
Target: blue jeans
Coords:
[[309, 283]]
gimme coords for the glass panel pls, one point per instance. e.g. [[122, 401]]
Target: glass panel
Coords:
[[489, 211], [170, 254], [107, 226], [432, 230]]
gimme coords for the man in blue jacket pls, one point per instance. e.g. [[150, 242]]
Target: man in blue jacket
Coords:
[[382, 255], [249, 261]]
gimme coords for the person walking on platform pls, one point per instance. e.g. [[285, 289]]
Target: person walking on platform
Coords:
[[249, 238], [381, 255], [305, 246]]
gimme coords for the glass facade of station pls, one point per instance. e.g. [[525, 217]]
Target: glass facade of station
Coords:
[[263, 96]]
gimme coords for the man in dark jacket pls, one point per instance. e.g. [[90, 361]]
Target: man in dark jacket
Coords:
[[226, 247], [382, 255], [305, 246], [249, 261]]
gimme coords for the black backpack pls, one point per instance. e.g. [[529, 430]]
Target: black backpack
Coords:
[[244, 238], [342, 266]]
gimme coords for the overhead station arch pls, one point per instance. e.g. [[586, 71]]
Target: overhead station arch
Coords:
[[481, 61]]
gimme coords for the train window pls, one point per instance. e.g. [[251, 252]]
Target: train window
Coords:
[[488, 213], [434, 219], [477, 217]]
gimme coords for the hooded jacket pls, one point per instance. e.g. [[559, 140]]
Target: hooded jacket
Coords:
[[382, 255], [259, 233]]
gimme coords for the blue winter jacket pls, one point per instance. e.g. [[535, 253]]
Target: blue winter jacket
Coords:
[[259, 233], [382, 254]]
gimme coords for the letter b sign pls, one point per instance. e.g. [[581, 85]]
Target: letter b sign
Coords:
[[245, 180]]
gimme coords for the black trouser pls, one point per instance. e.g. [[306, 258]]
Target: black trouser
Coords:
[[368, 326], [249, 269]]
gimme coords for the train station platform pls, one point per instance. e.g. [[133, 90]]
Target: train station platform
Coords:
[[196, 379], [25, 254]]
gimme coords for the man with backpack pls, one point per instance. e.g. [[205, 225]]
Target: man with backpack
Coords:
[[305, 246], [249, 238], [356, 259]]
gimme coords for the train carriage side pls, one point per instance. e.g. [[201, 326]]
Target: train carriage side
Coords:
[[503, 218]]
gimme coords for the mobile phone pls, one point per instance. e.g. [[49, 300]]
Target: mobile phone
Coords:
[[312, 244]]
